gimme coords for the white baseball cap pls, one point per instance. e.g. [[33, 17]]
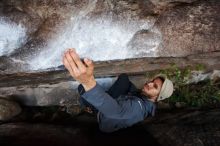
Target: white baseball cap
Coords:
[[167, 88]]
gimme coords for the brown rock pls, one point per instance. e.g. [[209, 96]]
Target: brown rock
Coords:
[[8, 109], [190, 29]]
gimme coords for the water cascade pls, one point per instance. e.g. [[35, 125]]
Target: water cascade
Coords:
[[140, 37], [104, 37]]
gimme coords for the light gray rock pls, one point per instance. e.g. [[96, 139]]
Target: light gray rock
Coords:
[[142, 41], [62, 94]]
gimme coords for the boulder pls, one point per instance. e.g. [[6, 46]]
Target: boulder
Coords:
[[185, 127], [8, 109], [189, 29]]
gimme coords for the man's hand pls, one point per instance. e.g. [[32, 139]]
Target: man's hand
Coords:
[[79, 71]]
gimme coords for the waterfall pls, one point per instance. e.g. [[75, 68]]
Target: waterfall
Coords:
[[12, 36], [107, 36]]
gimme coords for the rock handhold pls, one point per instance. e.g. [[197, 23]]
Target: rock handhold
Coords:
[[8, 109], [9, 65]]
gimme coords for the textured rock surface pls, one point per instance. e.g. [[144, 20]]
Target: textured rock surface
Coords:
[[44, 19], [138, 66], [8, 109], [190, 127], [190, 28], [63, 94], [171, 27], [66, 94], [179, 127], [84, 134], [161, 28]]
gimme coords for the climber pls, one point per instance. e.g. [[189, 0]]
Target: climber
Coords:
[[123, 105]]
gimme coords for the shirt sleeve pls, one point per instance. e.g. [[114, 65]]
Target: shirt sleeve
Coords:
[[133, 89], [110, 107]]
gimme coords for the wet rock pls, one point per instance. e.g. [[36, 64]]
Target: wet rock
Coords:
[[9, 65], [163, 4], [41, 20], [169, 127], [198, 76], [186, 127], [74, 109], [8, 109], [83, 133], [41, 134], [183, 26], [190, 29], [17, 14], [142, 41], [163, 105], [215, 75], [45, 21], [180, 104]]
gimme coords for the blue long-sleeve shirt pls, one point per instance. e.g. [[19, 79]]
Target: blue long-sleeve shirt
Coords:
[[118, 113]]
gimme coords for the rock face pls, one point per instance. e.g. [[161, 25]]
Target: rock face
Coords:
[[61, 94], [8, 109], [48, 21], [113, 29], [186, 127], [138, 28], [190, 127], [190, 28], [41, 134], [14, 134], [154, 28]]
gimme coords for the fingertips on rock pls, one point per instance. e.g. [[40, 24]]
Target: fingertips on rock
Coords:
[[64, 61], [85, 59]]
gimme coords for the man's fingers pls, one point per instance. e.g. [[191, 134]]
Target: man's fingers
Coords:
[[77, 60], [71, 62], [89, 63], [66, 64]]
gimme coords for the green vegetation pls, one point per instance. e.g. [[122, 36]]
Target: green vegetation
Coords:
[[177, 75], [204, 93]]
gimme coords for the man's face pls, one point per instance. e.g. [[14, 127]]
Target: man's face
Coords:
[[152, 88]]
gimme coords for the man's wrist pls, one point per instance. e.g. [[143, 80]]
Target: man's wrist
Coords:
[[89, 85]]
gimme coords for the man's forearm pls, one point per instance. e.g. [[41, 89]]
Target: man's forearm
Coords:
[[102, 101], [90, 84]]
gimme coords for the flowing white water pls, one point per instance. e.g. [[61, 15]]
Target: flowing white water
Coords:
[[100, 39], [12, 36], [106, 37], [103, 38]]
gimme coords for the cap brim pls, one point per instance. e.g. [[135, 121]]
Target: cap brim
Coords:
[[161, 91], [163, 86]]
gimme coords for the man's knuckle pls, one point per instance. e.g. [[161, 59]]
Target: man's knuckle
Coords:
[[83, 71], [77, 74]]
